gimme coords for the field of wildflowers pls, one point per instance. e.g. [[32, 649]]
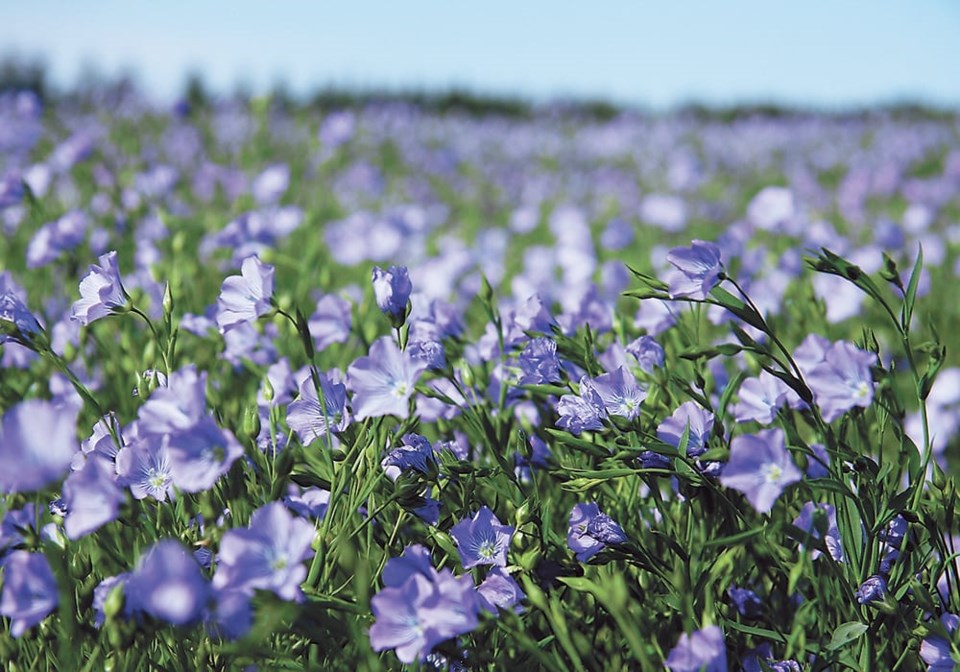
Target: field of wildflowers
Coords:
[[386, 386]]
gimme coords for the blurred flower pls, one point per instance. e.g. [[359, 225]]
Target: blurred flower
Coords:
[[92, 498], [936, 651], [176, 406], [701, 651], [60, 236], [330, 322], [14, 522], [270, 185], [820, 522], [747, 602], [246, 297], [309, 503], [201, 455], [167, 584], [37, 444], [482, 540], [29, 590], [499, 591]]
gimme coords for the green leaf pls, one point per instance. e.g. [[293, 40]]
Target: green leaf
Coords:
[[911, 296], [738, 308], [846, 633]]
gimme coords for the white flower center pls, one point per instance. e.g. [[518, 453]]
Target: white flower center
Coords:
[[771, 473], [487, 549]]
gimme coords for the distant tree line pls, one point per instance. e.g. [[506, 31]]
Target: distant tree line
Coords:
[[19, 74]]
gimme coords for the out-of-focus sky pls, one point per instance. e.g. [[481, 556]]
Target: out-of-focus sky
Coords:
[[824, 53]]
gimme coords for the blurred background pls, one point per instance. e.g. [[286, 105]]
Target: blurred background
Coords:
[[817, 55]]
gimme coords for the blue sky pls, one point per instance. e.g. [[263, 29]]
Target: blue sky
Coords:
[[827, 53]]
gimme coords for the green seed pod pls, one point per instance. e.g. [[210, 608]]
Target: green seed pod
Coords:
[[251, 423]]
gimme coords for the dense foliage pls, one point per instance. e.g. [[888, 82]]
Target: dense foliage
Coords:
[[385, 385]]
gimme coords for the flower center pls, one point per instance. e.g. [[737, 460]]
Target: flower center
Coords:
[[772, 473], [487, 549]]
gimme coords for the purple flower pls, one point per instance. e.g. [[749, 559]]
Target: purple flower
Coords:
[[590, 531], [268, 555], [655, 316], [578, 414], [414, 453], [499, 591], [811, 352], [17, 323], [102, 592], [310, 503], [92, 498], [144, 467], [700, 270], [648, 353], [429, 607], [415, 559], [270, 185], [820, 522], [167, 584], [330, 322], [15, 521], [37, 444], [231, 615], [178, 406], [29, 590], [618, 392], [246, 297], [201, 455], [11, 189], [936, 651], [760, 467], [309, 418], [760, 399], [101, 292], [400, 619], [746, 601], [699, 421], [872, 590], [843, 380], [482, 540], [701, 651], [383, 382], [425, 345], [392, 289], [51, 239]]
